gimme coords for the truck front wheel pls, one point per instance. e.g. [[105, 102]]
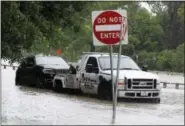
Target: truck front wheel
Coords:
[[57, 86], [105, 91]]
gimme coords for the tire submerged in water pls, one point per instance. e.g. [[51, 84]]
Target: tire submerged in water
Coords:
[[57, 86], [105, 91]]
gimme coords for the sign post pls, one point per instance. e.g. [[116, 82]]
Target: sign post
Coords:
[[113, 86], [110, 28], [122, 37]]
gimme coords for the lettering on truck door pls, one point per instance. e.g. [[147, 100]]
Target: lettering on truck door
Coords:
[[90, 78]]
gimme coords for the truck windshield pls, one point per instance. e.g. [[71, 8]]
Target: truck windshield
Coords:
[[126, 63], [51, 61]]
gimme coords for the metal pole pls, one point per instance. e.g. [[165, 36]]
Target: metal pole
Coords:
[[113, 90], [117, 75]]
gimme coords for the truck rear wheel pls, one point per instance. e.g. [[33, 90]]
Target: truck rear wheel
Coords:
[[57, 86], [105, 91]]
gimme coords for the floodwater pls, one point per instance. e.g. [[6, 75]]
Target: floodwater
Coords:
[[23, 105], [170, 77]]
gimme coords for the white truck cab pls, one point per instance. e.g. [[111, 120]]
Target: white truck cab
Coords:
[[93, 76]]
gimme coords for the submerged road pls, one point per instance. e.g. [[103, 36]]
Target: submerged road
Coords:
[[23, 105]]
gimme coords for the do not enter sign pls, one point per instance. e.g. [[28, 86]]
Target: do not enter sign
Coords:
[[109, 26]]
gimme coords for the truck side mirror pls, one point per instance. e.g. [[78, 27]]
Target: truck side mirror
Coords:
[[144, 68]]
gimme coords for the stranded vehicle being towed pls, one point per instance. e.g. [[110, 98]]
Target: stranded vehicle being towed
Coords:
[[93, 76], [40, 70]]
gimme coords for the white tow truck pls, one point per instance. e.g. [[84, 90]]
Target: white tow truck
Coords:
[[92, 75]]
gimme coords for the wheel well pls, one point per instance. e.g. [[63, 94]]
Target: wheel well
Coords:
[[104, 83], [57, 81], [105, 89]]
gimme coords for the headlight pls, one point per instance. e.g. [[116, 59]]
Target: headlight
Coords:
[[158, 84], [48, 71]]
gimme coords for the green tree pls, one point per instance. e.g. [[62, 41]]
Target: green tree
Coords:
[[171, 22]]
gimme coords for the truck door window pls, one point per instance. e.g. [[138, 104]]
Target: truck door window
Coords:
[[92, 65], [30, 62], [23, 63]]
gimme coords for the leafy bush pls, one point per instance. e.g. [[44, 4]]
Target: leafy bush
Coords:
[[167, 60]]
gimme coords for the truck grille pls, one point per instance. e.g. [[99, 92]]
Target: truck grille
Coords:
[[139, 84], [61, 71]]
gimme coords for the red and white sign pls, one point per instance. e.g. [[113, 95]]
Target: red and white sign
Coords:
[[109, 27]]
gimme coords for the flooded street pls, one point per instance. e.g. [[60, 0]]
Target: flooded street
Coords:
[[23, 105]]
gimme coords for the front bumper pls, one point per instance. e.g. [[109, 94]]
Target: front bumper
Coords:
[[139, 94]]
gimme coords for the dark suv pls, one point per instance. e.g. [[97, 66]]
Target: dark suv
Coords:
[[39, 71]]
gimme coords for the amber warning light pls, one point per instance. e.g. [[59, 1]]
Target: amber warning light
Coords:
[[58, 52]]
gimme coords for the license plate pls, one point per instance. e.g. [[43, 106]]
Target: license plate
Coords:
[[144, 93]]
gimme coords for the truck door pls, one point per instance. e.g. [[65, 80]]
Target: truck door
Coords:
[[21, 72], [29, 71], [90, 78]]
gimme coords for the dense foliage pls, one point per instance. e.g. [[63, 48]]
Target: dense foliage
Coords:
[[34, 27]]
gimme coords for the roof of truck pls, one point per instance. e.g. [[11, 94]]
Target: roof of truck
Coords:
[[41, 55]]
